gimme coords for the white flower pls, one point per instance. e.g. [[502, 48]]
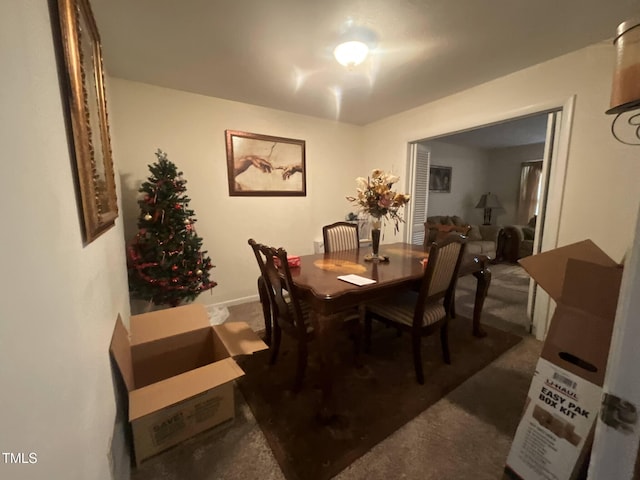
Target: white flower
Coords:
[[392, 179]]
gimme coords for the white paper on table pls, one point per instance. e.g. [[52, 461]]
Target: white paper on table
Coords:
[[356, 279]]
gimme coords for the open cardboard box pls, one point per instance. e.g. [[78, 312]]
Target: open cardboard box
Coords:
[[178, 370], [556, 430]]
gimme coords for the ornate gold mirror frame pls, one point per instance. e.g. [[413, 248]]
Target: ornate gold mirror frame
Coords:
[[88, 112]]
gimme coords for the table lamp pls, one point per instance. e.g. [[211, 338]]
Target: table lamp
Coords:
[[488, 201]]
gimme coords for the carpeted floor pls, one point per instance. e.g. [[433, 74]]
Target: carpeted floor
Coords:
[[466, 434], [506, 304], [373, 400]]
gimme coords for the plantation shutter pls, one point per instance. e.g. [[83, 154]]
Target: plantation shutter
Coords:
[[419, 193]]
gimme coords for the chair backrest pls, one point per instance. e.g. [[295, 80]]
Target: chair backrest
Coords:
[[441, 273], [259, 258], [263, 283], [340, 236], [280, 287]]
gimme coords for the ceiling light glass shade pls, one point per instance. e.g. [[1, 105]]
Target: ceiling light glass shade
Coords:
[[351, 53], [625, 92]]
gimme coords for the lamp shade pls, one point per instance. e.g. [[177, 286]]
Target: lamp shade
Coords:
[[625, 90], [489, 200]]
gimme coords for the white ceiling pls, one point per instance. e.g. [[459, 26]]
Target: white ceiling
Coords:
[[278, 53]]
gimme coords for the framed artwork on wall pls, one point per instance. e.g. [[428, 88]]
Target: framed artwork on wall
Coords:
[[87, 109], [440, 179], [262, 165]]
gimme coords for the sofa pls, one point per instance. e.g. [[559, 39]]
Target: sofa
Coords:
[[481, 239]]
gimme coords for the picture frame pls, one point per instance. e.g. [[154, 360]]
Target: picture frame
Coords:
[[440, 179], [264, 165], [83, 80]]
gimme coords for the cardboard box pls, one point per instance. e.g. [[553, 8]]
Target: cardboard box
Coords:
[[178, 371], [556, 430]]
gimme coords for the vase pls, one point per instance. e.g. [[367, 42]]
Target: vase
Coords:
[[375, 236], [376, 224]]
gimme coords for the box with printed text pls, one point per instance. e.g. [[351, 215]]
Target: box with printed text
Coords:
[[179, 372], [555, 432]]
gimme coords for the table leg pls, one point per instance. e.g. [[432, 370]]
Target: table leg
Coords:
[[484, 280], [327, 328]]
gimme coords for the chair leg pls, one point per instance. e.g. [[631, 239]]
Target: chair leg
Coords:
[[301, 366], [452, 304], [444, 341], [416, 341], [266, 309], [275, 345]]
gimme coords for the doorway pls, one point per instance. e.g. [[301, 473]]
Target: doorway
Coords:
[[543, 133]]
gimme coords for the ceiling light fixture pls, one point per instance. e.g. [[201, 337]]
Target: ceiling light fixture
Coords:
[[351, 54]]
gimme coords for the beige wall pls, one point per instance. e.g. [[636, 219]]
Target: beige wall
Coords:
[[601, 197], [59, 299], [469, 178], [190, 128]]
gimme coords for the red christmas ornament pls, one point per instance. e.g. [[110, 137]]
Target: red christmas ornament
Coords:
[[174, 267]]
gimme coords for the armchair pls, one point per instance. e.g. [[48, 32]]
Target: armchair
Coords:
[[518, 240]]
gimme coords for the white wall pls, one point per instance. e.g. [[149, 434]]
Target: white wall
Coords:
[[504, 177], [597, 163], [469, 178], [190, 128], [59, 300]]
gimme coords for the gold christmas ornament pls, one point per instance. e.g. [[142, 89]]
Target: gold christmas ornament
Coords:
[[148, 217]]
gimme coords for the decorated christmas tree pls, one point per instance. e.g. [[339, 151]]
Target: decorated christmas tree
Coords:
[[166, 265]]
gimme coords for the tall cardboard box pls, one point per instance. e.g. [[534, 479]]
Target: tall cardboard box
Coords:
[[179, 373], [556, 429]]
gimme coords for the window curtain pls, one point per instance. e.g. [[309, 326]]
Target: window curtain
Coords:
[[530, 176]]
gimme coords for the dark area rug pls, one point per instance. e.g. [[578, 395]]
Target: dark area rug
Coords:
[[374, 400]]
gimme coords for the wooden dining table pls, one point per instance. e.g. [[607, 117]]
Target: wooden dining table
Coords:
[[317, 283]]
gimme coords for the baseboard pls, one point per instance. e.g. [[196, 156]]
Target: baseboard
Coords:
[[236, 301]]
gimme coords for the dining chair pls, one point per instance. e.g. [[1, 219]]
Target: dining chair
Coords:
[[263, 294], [427, 310], [288, 312], [340, 236]]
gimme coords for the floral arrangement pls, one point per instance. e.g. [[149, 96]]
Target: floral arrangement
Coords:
[[375, 197]]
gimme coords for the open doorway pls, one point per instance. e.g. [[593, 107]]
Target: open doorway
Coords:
[[497, 159]]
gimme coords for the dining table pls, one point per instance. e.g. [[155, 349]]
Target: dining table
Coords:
[[318, 283]]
